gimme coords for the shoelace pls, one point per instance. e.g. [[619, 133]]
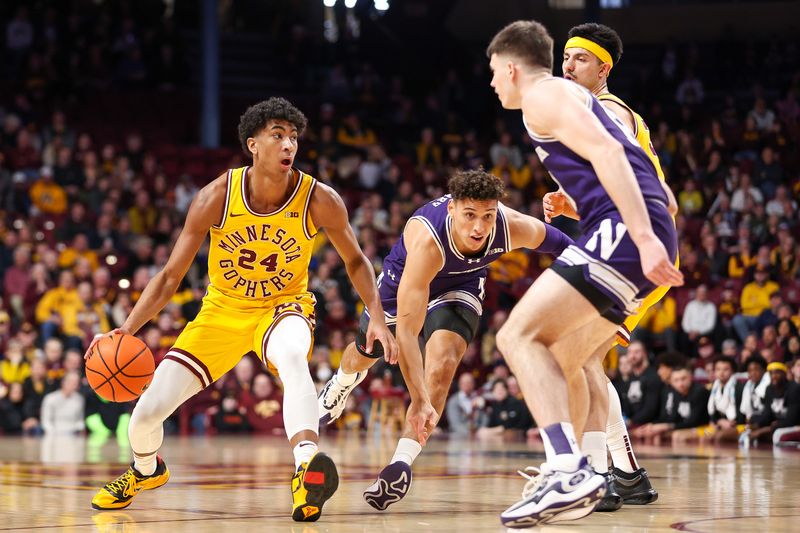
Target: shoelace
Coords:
[[124, 484], [535, 477], [339, 395]]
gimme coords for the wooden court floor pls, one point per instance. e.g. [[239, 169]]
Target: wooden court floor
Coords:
[[242, 484]]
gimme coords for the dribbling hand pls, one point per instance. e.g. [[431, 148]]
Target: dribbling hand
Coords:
[[97, 338]]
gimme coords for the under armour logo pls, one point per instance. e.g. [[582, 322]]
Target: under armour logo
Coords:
[[470, 261]]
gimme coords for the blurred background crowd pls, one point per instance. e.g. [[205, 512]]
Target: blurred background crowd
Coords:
[[99, 163]]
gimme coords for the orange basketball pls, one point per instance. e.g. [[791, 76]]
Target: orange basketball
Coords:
[[120, 367]]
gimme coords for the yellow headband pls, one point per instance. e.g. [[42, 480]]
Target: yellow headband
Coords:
[[777, 365], [593, 47]]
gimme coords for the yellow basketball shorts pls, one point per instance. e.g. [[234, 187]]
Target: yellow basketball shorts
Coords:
[[624, 332], [215, 341]]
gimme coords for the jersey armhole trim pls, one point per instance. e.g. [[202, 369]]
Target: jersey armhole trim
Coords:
[[308, 223], [227, 202], [506, 227], [428, 225]]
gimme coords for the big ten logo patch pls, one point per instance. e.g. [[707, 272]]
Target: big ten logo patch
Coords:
[[292, 214]]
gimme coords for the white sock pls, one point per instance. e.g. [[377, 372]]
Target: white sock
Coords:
[[407, 450], [145, 465], [619, 442], [304, 451], [594, 445], [344, 378]]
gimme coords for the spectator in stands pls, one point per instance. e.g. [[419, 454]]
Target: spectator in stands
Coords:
[[722, 405], [461, 406], [47, 196], [62, 410], [754, 300], [504, 412], [641, 394], [14, 368], [781, 413], [745, 191], [263, 406], [505, 147], [762, 116], [685, 406], [16, 279], [699, 317], [230, 417], [12, 408], [34, 389], [796, 371], [713, 258]]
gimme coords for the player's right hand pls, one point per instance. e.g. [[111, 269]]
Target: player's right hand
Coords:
[[97, 338], [423, 418], [656, 264], [553, 204]]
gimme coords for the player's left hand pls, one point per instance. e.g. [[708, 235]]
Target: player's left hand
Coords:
[[553, 204], [656, 264], [380, 331], [422, 418]]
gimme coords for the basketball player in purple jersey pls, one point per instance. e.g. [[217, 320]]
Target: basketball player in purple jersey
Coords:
[[628, 247], [432, 285]]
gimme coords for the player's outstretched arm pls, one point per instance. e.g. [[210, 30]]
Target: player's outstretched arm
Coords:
[[206, 210], [530, 232], [423, 261], [574, 125], [329, 213]]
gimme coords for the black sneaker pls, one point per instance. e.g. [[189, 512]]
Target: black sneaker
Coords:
[[634, 488], [612, 500]]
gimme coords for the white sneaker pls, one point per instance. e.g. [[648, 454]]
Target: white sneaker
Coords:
[[556, 495], [333, 397]]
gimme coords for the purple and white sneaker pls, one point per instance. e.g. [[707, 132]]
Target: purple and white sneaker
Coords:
[[392, 485], [552, 495]]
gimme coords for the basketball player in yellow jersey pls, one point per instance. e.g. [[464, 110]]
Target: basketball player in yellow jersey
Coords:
[[589, 55], [262, 220]]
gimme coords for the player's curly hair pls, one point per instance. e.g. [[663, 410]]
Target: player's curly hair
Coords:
[[602, 35], [525, 40], [476, 185], [256, 117]]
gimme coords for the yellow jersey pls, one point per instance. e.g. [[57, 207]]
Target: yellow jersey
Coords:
[[640, 130], [256, 258]]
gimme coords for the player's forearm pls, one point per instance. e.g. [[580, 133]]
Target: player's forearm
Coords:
[[616, 176], [362, 276], [155, 296], [411, 364]]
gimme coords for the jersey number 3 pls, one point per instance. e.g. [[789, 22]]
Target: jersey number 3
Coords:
[[607, 237]]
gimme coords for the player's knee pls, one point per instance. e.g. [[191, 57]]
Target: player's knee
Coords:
[[148, 415], [505, 339], [444, 368]]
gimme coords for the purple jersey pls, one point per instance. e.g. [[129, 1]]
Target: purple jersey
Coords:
[[577, 177], [460, 279]]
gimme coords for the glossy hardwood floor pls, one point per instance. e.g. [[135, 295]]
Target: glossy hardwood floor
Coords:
[[242, 484]]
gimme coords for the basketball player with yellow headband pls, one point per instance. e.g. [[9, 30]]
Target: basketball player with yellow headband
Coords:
[[589, 56]]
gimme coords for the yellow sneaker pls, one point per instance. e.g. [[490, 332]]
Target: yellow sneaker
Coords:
[[119, 493], [312, 485]]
